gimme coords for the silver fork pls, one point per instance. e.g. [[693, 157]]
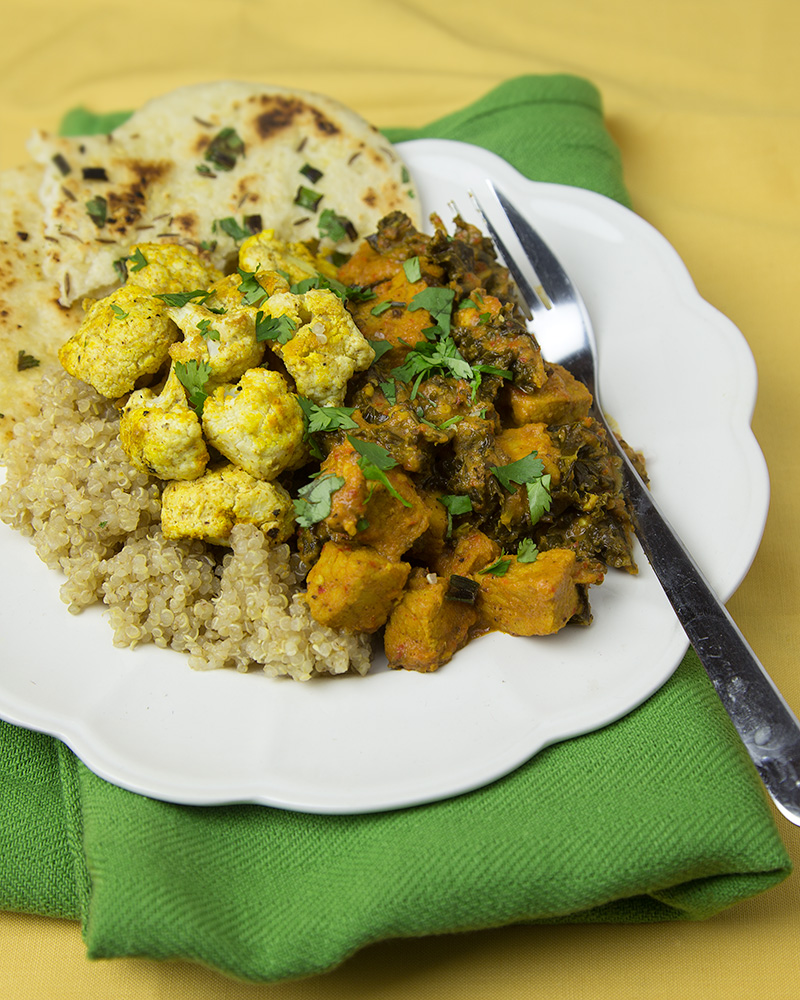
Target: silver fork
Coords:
[[767, 726]]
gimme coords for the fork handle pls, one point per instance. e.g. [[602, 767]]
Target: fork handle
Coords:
[[767, 726]]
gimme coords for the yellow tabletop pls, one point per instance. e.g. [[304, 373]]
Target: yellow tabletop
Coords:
[[703, 99]]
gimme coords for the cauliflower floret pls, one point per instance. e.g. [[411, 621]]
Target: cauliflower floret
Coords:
[[167, 268], [257, 424], [220, 330], [161, 434], [123, 336], [325, 348], [208, 507], [263, 252]]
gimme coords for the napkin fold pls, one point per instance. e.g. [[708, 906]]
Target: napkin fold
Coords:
[[659, 816]]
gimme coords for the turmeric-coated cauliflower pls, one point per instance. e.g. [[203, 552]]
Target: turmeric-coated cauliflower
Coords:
[[208, 507], [219, 329], [325, 347], [256, 424], [263, 252], [167, 267], [123, 337], [161, 434]]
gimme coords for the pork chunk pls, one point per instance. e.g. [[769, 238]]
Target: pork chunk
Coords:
[[354, 587]]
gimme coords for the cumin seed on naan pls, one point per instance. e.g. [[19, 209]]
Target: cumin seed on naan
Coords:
[[31, 319], [264, 156]]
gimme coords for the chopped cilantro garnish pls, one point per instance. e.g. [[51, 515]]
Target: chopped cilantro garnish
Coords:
[[180, 299], [380, 347], [439, 303], [137, 260], [380, 308], [224, 149], [118, 311], [97, 209], [389, 389], [326, 418], [527, 472], [280, 328], [527, 552], [538, 497], [193, 376], [375, 462], [412, 269], [498, 568], [230, 226], [336, 227], [253, 294], [455, 504], [430, 356], [314, 501], [524, 470], [207, 332], [354, 293]]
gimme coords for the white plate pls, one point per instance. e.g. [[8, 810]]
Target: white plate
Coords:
[[681, 382]]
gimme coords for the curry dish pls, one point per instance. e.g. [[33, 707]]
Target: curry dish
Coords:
[[380, 424]]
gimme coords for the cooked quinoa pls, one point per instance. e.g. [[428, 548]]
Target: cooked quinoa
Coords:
[[71, 490]]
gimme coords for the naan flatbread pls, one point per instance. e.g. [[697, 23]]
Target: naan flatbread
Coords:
[[31, 319], [263, 156]]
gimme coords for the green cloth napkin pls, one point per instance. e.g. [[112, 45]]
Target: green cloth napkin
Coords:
[[659, 816]]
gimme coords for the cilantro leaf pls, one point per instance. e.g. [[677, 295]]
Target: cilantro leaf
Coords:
[[230, 226], [180, 299], [375, 461], [207, 332], [438, 302], [538, 497], [430, 356], [498, 568], [253, 294], [118, 311], [525, 470], [313, 503], [137, 260], [336, 227], [413, 269], [354, 293], [380, 347], [326, 418], [527, 552], [454, 503], [389, 389], [193, 376], [280, 328]]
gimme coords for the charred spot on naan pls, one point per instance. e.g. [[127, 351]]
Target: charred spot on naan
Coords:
[[278, 113]]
